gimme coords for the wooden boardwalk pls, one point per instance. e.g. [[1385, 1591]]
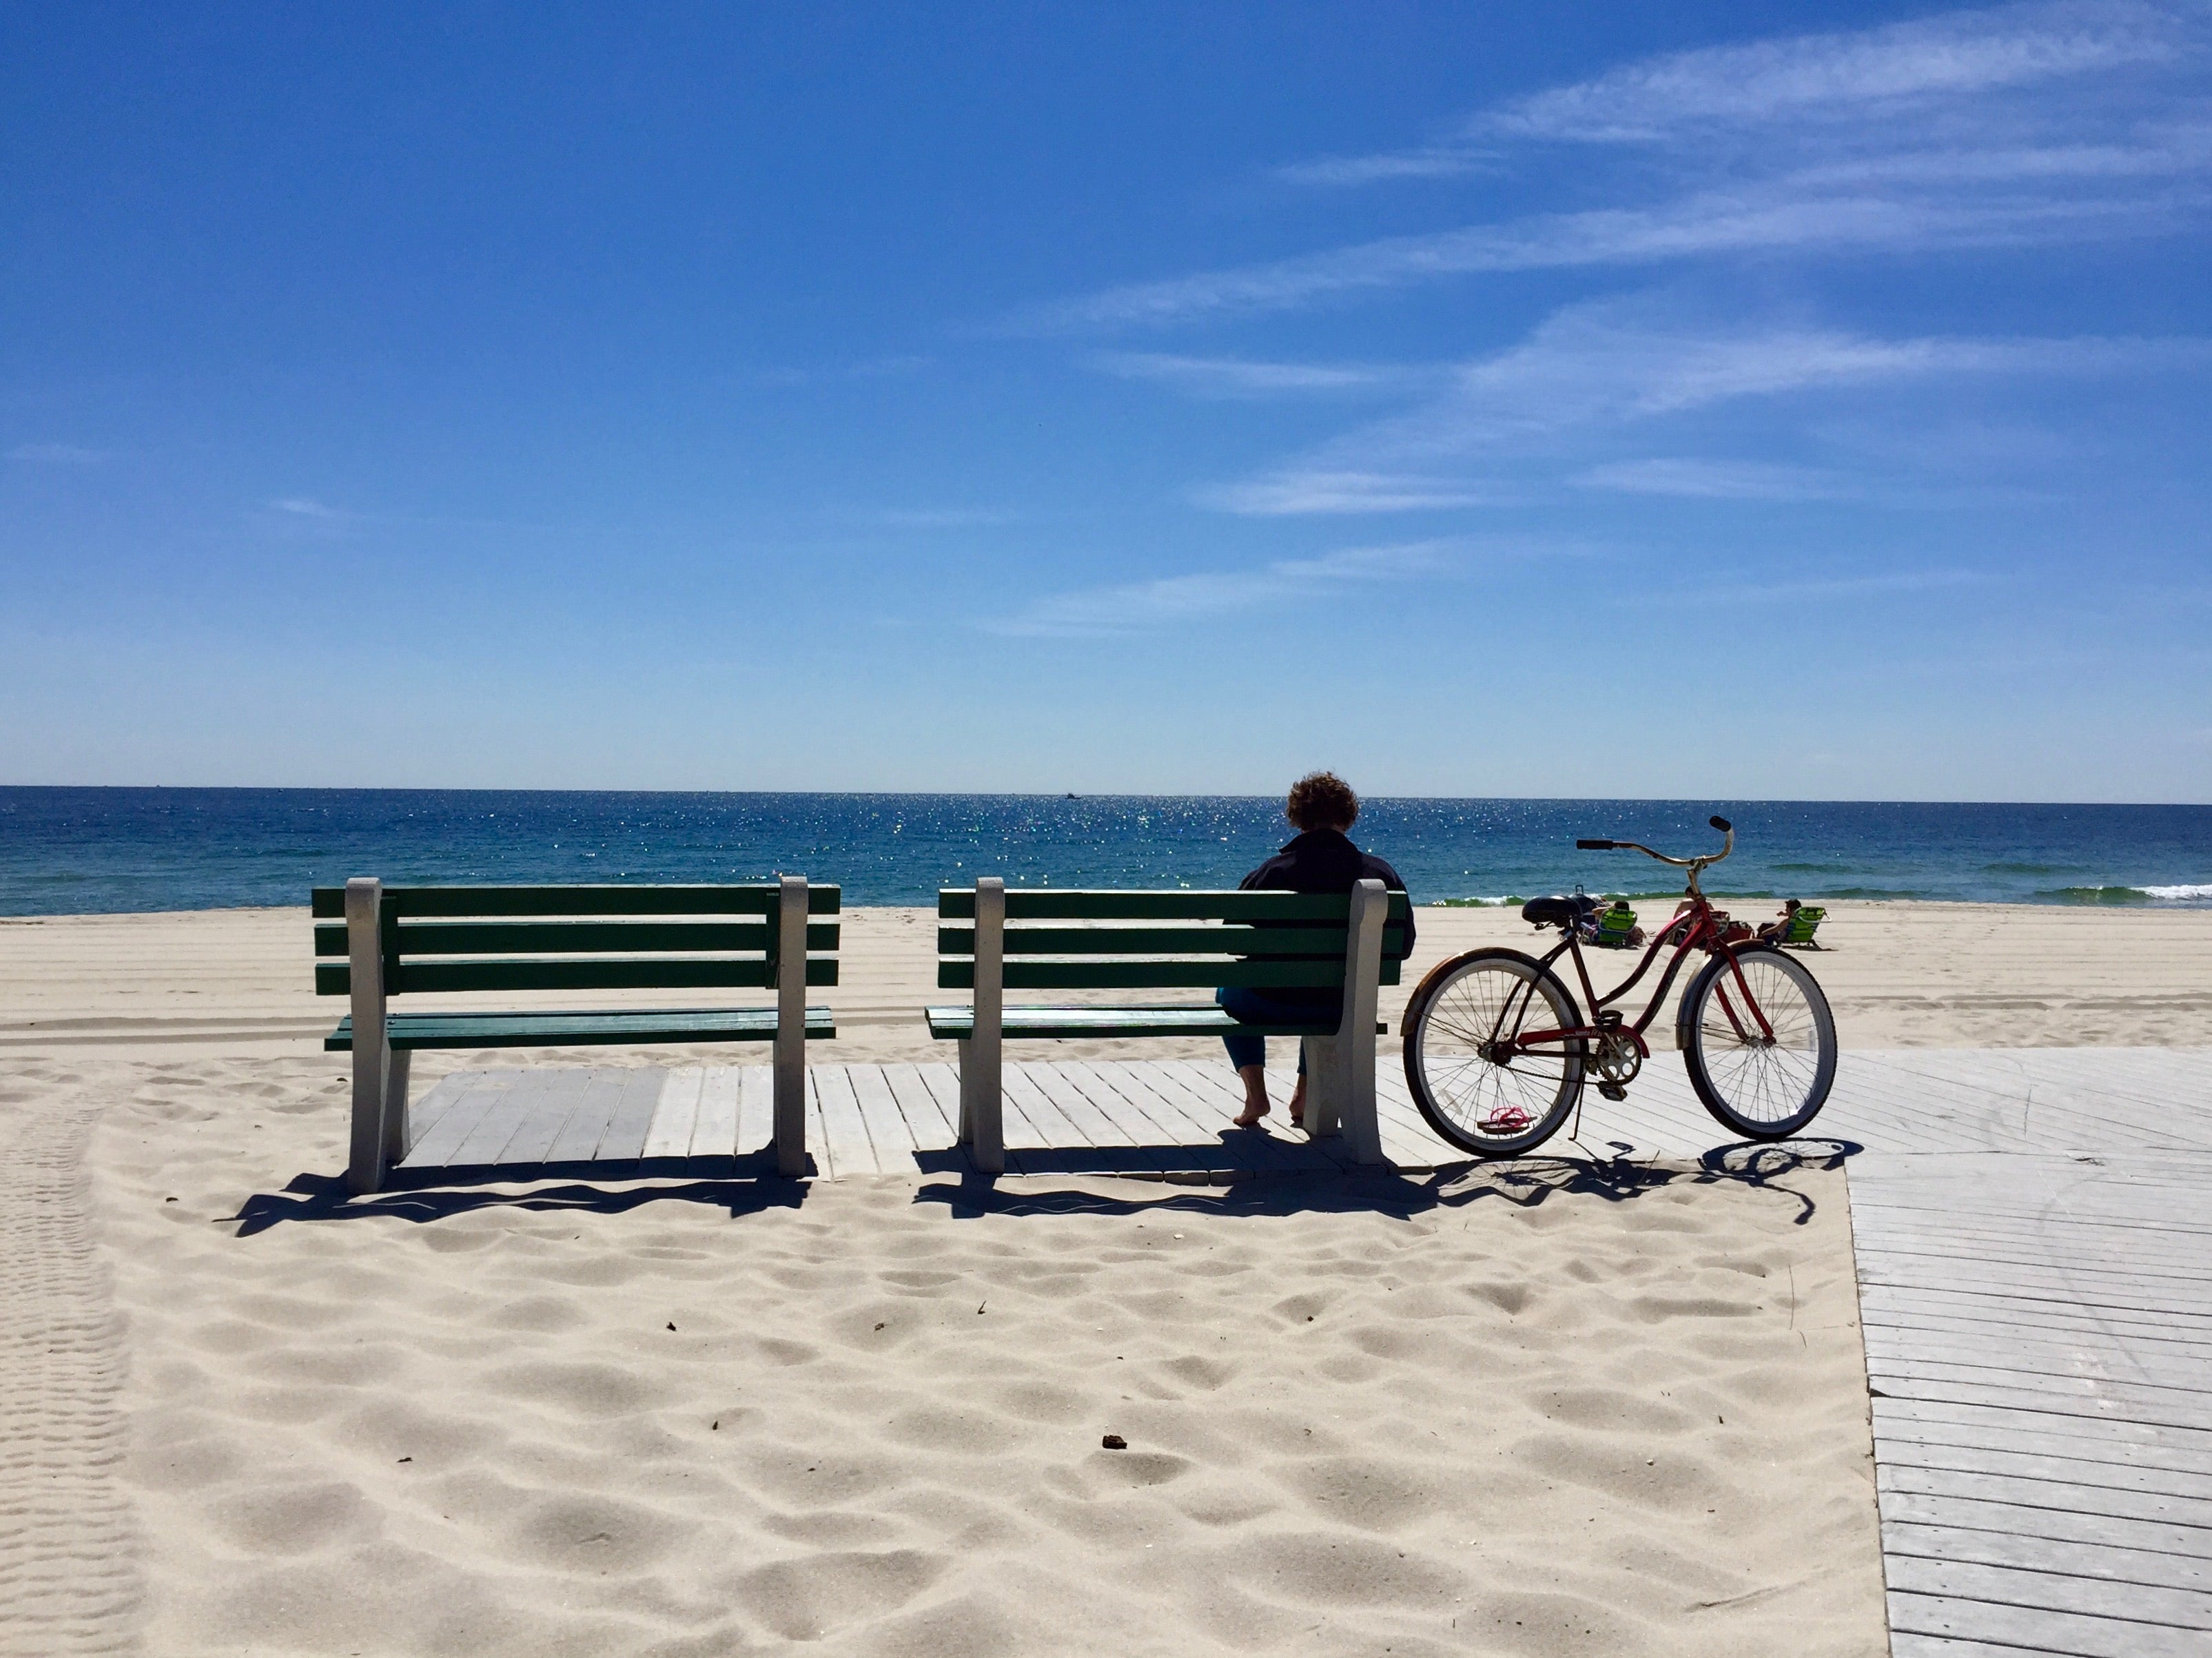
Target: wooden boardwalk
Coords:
[[1167, 1118], [2034, 1238]]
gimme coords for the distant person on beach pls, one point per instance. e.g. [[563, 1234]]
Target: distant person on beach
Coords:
[[1775, 931], [1319, 859]]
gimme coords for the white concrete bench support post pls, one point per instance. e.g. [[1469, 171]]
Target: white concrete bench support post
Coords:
[[790, 1027], [1340, 1069], [981, 1124], [370, 1146], [398, 1132]]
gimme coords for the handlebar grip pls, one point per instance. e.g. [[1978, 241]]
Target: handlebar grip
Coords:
[[1722, 824], [1595, 846]]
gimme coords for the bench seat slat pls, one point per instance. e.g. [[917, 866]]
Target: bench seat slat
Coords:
[[328, 903], [958, 904], [559, 1030], [1230, 940], [957, 1024], [577, 938]]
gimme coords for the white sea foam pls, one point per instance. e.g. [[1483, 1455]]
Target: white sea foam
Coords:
[[2197, 892]]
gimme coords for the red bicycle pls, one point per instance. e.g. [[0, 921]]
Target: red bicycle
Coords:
[[1497, 1052]]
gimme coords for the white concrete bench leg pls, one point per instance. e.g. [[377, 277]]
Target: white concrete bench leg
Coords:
[[790, 1027], [1355, 1036], [369, 1147], [398, 1132], [1324, 1057], [981, 1122]]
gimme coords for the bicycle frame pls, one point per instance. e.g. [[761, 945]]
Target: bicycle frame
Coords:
[[1700, 928], [1703, 933]]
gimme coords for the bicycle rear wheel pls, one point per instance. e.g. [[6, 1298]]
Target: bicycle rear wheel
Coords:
[[1474, 1088], [1762, 1087]]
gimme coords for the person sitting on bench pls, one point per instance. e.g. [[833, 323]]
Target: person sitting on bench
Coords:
[[1319, 859]]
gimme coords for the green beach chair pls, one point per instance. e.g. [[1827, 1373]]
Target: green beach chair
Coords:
[[1614, 924], [1803, 925]]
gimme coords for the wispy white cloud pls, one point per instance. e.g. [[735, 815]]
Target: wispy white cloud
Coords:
[[1846, 76], [302, 518], [1938, 63], [1619, 362], [1140, 606], [1439, 161], [1696, 478], [1297, 491], [55, 455], [2171, 150], [1510, 421], [1833, 587], [1780, 218], [1241, 377], [1972, 129]]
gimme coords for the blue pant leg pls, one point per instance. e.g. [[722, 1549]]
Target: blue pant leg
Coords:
[[1237, 1001], [1242, 1002]]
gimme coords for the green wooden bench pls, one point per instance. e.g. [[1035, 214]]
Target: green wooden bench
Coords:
[[401, 941], [990, 940]]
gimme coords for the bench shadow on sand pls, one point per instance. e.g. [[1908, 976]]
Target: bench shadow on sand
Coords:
[[1159, 1177]]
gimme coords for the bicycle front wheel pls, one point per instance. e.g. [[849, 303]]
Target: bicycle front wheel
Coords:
[[1478, 1088], [1761, 1051]]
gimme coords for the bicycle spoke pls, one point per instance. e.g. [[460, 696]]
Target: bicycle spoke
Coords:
[[1469, 1075], [1763, 1082]]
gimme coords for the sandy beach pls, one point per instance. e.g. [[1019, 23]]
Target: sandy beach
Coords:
[[1899, 975], [1505, 1410]]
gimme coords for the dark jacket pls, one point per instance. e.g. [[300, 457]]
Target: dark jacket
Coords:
[[1324, 860]]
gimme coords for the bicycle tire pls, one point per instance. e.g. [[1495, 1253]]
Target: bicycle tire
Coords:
[[1762, 1090], [1438, 1026]]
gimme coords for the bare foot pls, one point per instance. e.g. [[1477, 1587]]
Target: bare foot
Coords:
[[1255, 1078]]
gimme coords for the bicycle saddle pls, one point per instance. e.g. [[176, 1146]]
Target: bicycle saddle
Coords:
[[1555, 911]]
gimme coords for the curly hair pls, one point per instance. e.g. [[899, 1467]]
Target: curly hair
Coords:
[[1321, 800]]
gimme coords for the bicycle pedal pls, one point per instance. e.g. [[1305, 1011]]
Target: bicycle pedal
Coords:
[[1613, 1090]]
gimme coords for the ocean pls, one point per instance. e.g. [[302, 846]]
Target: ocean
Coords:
[[80, 850]]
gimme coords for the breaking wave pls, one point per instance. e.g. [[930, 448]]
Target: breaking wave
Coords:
[[2197, 892]]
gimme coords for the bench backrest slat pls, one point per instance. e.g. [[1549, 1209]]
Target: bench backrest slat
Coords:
[[1028, 973], [1268, 940], [460, 939], [1233, 940], [579, 938], [1180, 904], [328, 903]]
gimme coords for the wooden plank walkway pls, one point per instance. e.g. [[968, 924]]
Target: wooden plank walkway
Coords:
[[2035, 1239], [2038, 1338], [2034, 1229]]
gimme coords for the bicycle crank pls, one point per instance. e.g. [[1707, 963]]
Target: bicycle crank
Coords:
[[1616, 1056]]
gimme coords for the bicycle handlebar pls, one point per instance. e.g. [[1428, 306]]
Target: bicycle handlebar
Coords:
[[1695, 866]]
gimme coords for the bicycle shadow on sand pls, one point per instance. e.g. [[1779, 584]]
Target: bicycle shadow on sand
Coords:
[[1527, 1183]]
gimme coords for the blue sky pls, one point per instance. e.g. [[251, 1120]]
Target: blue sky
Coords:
[[1786, 401]]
